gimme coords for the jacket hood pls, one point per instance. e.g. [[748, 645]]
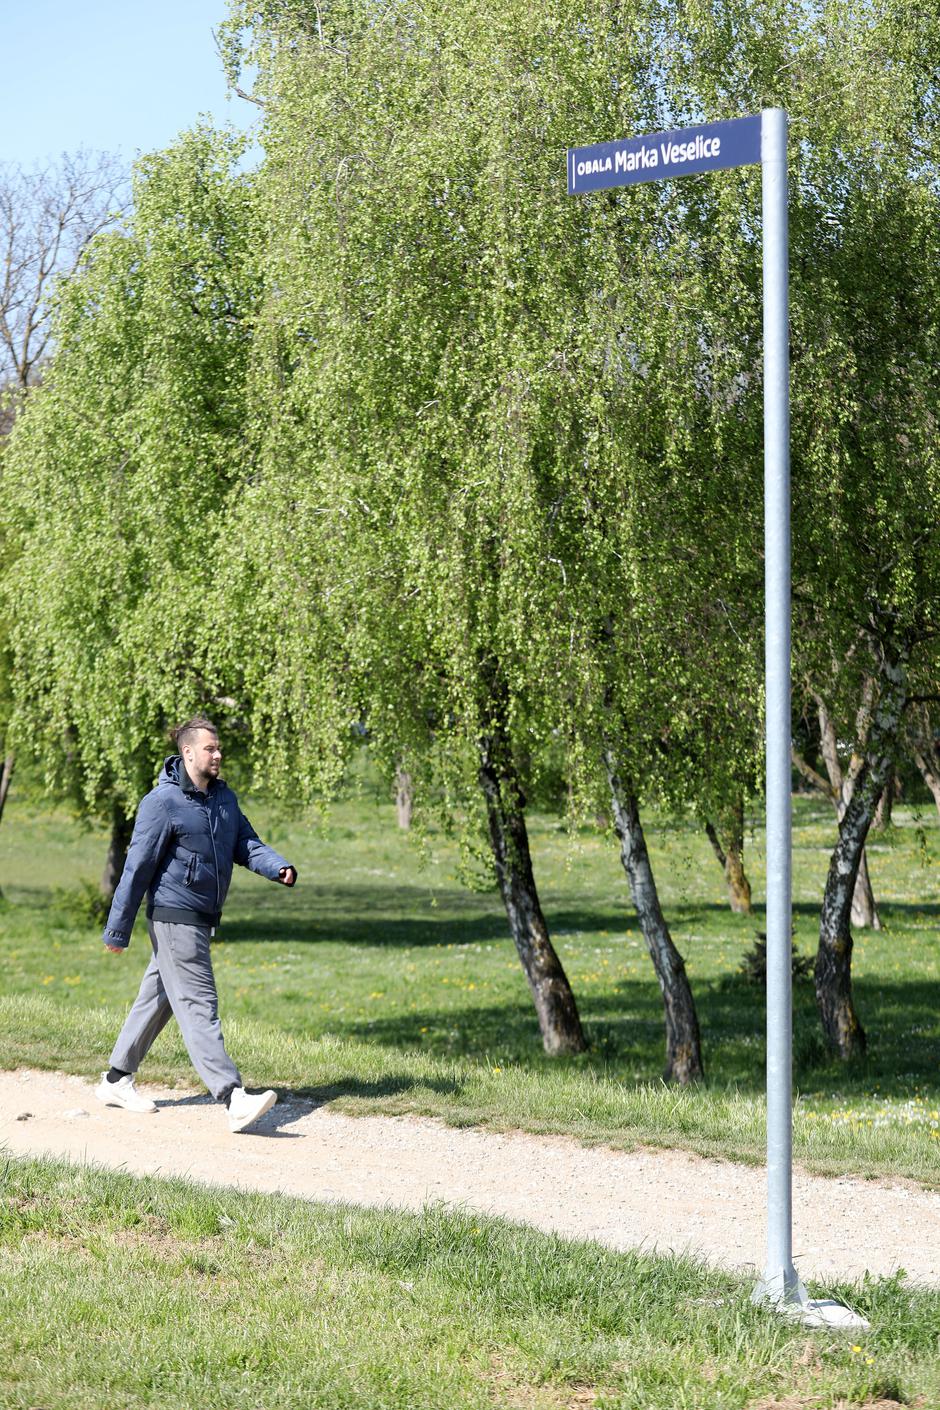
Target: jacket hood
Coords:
[[172, 771]]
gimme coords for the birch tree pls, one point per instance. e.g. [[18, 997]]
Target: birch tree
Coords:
[[116, 471], [48, 215], [435, 352], [859, 81]]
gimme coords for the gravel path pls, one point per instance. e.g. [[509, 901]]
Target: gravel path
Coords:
[[666, 1200]]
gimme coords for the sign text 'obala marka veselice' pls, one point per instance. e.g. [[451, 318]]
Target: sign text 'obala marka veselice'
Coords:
[[708, 147]]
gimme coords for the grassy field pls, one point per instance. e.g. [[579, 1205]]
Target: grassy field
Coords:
[[295, 1306], [381, 984]]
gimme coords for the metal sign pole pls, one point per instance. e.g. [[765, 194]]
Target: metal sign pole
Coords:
[[655, 157], [780, 1284], [780, 1280]]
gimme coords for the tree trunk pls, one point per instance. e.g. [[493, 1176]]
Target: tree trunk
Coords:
[[555, 1006], [730, 854], [880, 822], [864, 911], [6, 778], [927, 758], [882, 818], [711, 833], [739, 888], [841, 1026], [864, 908], [931, 777], [121, 828], [404, 798], [683, 1041], [833, 972]]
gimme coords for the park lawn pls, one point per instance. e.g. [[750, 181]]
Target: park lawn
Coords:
[[294, 1306], [382, 984]]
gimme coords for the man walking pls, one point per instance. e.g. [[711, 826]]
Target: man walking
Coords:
[[188, 833]]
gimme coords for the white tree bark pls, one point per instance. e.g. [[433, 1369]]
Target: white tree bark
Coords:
[[864, 911], [683, 1039], [841, 1026]]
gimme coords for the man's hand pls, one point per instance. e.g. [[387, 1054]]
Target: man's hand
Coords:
[[287, 876], [116, 949]]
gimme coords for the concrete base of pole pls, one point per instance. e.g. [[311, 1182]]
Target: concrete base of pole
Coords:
[[787, 1295], [826, 1312]]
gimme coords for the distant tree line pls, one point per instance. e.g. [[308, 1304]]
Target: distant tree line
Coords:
[[392, 434]]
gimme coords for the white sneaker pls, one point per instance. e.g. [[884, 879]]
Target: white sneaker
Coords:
[[123, 1093], [245, 1107]]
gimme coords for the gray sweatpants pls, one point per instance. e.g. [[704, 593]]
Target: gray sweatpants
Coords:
[[179, 980]]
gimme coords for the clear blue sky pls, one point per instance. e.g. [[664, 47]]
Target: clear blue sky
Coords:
[[122, 76]]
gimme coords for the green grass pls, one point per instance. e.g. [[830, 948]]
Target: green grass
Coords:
[[381, 984], [138, 1293]]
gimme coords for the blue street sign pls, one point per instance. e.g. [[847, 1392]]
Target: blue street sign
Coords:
[[708, 147]]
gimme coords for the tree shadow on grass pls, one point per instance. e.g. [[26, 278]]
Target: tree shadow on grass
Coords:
[[905, 910], [366, 930], [626, 1033], [393, 917], [901, 1019]]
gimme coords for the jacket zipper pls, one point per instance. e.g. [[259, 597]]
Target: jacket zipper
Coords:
[[215, 855]]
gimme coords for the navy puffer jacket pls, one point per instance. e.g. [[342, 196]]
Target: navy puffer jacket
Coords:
[[181, 853]]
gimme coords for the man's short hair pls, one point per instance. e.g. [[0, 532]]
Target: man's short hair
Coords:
[[186, 733]]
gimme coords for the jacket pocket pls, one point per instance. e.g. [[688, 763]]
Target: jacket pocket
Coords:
[[190, 869]]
